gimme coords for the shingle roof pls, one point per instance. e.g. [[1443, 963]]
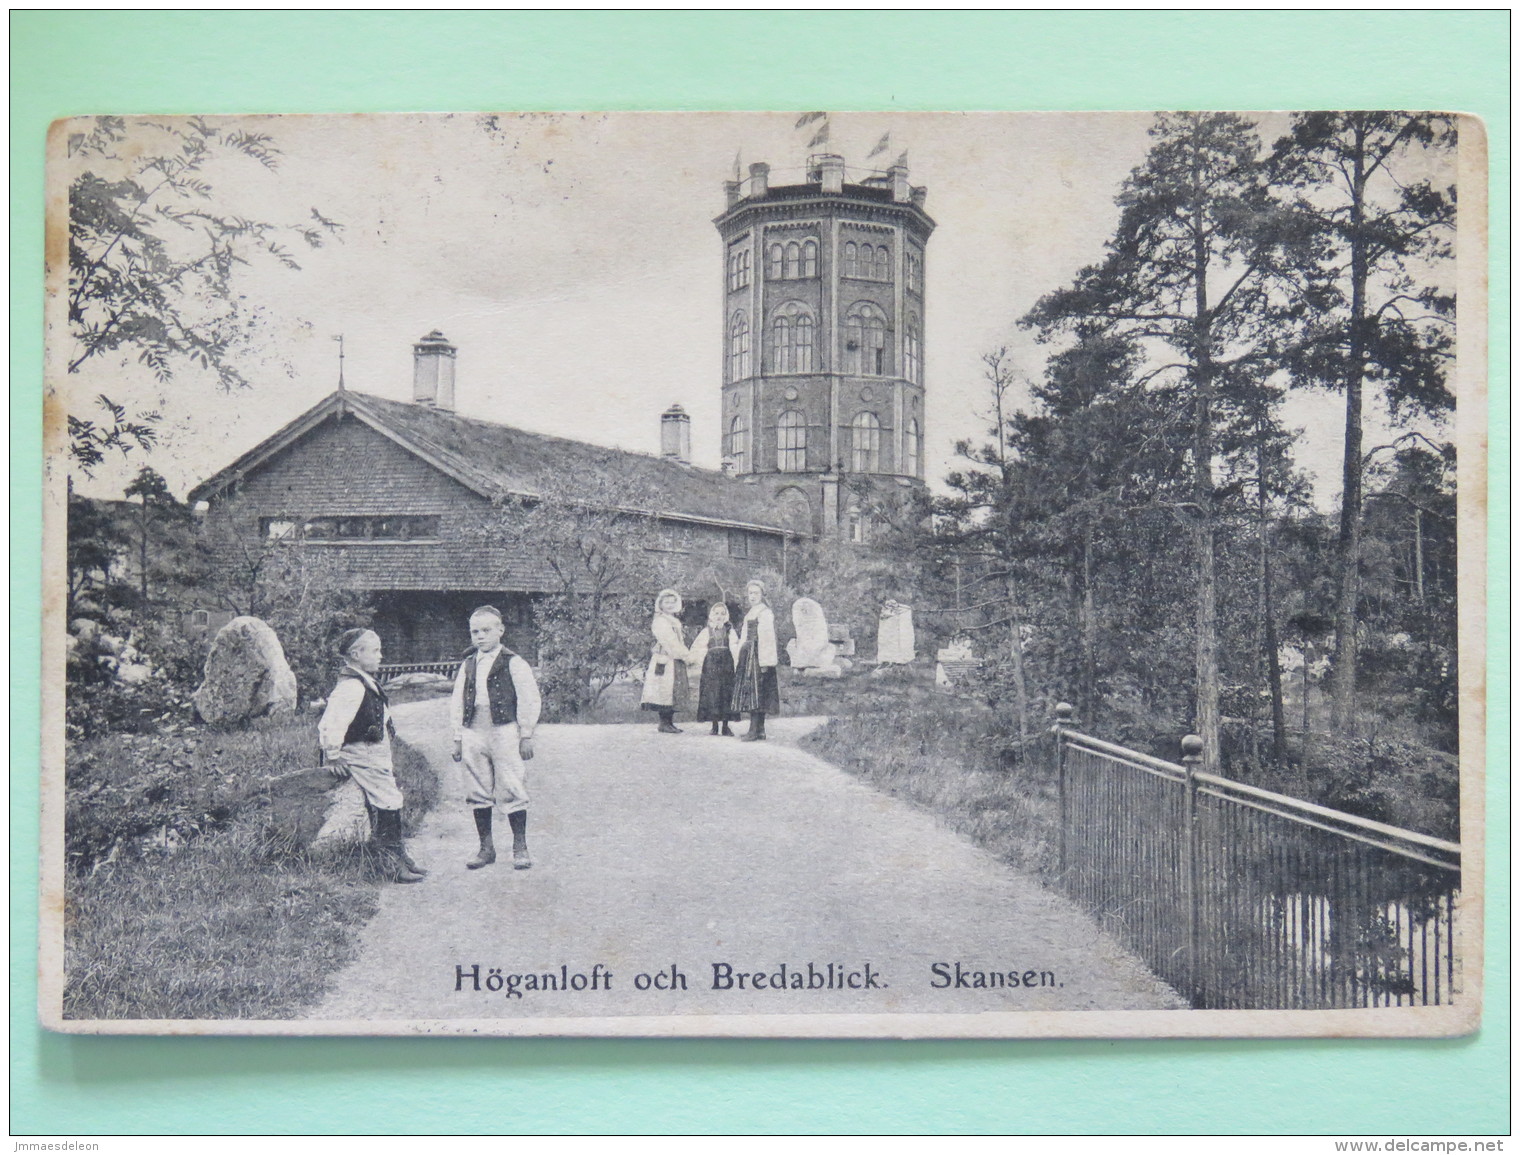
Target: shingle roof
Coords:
[[491, 459]]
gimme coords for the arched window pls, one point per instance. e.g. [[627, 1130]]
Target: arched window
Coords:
[[912, 352], [883, 263], [865, 340], [773, 271], [791, 442], [912, 448], [850, 258], [781, 345], [865, 443], [792, 339], [738, 443], [915, 272], [793, 260], [738, 348], [867, 262], [810, 258], [738, 268]]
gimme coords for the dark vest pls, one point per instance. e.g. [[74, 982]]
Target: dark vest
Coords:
[[499, 689], [368, 726]]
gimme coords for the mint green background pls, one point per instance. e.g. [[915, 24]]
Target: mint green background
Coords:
[[91, 62]]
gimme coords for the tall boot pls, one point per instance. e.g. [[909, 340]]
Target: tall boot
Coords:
[[667, 722], [756, 731], [487, 853], [392, 855], [397, 844], [520, 858]]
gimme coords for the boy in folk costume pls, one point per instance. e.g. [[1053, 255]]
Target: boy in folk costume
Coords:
[[756, 692], [666, 688], [355, 734], [717, 648], [493, 711]]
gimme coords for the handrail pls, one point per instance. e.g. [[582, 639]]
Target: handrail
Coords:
[[1228, 786]]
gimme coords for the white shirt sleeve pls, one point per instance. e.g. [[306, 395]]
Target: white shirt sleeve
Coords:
[[456, 704], [529, 703], [342, 704]]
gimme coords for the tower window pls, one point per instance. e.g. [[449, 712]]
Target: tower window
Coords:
[[851, 259], [774, 266], [738, 267], [792, 339], [865, 442], [912, 448], [883, 263], [865, 328], [913, 352], [738, 348], [915, 272], [738, 443], [791, 442], [810, 258]]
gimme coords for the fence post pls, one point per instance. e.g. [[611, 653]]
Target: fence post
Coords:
[[1192, 758], [1064, 719]]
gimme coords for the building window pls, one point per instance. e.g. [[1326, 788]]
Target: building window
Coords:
[[391, 528], [277, 528], [851, 259], [915, 272], [738, 543], [912, 352], [793, 266], [773, 269], [738, 442], [912, 447], [865, 443], [738, 268], [810, 258], [738, 347], [791, 442], [883, 263], [865, 340], [792, 339]]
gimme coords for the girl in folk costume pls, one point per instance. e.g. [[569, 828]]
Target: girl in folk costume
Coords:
[[665, 684], [755, 689], [355, 734], [717, 648]]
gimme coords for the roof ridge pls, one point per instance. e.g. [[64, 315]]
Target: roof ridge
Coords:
[[683, 465]]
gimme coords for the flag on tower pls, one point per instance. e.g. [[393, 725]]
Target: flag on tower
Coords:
[[902, 161], [737, 170], [820, 137], [881, 145], [807, 118]]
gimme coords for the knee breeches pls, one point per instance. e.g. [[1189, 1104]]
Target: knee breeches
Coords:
[[494, 773]]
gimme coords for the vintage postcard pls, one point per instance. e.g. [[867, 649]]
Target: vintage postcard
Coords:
[[760, 574]]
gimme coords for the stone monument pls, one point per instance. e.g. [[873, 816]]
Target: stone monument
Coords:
[[246, 675], [811, 651], [894, 635]]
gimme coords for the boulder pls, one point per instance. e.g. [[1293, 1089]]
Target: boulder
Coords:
[[312, 810], [246, 675]]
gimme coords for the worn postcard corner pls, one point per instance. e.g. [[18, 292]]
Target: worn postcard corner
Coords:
[[896, 575]]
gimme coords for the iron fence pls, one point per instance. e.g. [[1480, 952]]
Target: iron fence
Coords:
[[396, 669], [1243, 898]]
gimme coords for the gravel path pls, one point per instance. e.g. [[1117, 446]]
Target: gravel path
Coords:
[[663, 859]]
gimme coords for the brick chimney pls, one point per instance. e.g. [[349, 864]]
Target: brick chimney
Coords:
[[433, 371], [675, 435]]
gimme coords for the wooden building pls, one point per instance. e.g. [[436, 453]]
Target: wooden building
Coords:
[[397, 491]]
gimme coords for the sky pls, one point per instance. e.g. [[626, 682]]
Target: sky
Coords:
[[572, 260]]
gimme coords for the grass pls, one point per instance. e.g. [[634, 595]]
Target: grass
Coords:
[[943, 752], [228, 926]]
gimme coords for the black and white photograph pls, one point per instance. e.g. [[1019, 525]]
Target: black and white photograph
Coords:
[[880, 574]]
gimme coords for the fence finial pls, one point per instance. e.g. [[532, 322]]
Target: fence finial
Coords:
[[1064, 712], [1192, 747]]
